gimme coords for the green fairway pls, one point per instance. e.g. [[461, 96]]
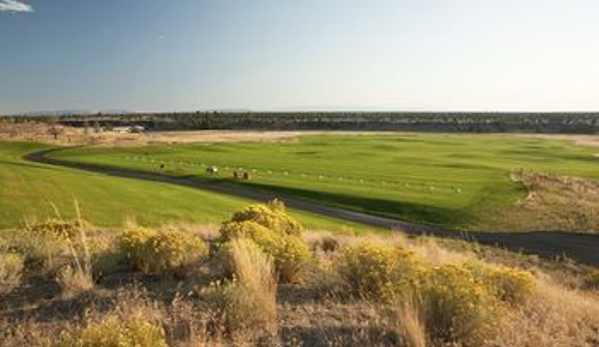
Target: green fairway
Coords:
[[27, 191], [449, 180]]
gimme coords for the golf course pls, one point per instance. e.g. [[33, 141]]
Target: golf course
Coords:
[[32, 192], [452, 181]]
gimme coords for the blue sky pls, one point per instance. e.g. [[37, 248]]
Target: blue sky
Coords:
[[162, 55]]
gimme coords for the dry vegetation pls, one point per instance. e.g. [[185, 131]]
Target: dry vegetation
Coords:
[[262, 280], [63, 135], [553, 203]]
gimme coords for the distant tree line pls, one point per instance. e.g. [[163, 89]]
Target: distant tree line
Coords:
[[574, 123]]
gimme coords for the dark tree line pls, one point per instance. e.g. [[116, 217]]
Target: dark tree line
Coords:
[[574, 123]]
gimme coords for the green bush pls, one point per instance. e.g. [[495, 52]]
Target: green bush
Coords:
[[378, 271], [114, 332], [271, 216], [458, 307], [154, 253]]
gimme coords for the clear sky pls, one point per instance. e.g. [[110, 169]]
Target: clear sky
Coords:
[[162, 55]]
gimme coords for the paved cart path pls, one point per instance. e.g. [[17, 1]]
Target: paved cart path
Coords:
[[583, 248]]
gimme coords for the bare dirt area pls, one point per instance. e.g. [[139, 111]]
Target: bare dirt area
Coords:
[[553, 203]]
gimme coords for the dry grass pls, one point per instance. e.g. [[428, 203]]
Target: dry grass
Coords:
[[411, 324], [555, 317], [247, 304], [453, 304], [42, 132], [11, 271], [554, 203]]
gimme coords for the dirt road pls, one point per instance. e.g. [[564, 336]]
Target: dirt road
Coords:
[[583, 248]]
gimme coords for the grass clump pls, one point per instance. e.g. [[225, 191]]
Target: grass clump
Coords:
[[277, 234], [40, 250], [114, 332], [11, 270], [74, 280], [167, 252], [591, 281], [373, 270], [248, 302]]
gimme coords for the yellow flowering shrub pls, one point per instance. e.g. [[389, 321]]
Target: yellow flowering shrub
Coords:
[[172, 251], [509, 285], [271, 216], [114, 332], [275, 233], [290, 256], [161, 253], [457, 306], [11, 270], [289, 253], [378, 271], [58, 229], [246, 229], [132, 243]]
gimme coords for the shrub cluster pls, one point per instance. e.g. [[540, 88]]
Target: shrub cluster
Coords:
[[458, 302], [457, 306], [114, 332], [58, 229], [509, 285], [373, 270], [277, 234], [272, 216], [153, 253]]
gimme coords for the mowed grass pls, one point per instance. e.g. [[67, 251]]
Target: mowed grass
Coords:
[[28, 191], [448, 180]]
